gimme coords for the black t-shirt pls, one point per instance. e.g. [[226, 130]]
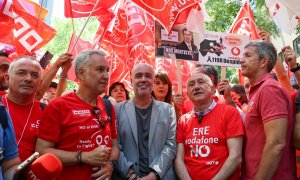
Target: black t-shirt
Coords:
[[143, 117]]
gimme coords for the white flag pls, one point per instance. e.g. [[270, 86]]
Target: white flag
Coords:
[[282, 14]]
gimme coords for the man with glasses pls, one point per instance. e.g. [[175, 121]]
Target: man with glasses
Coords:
[[76, 127], [147, 131]]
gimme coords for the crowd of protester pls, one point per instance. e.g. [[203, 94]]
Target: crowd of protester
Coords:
[[214, 131]]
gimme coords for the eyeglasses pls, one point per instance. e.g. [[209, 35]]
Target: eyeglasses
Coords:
[[100, 120]]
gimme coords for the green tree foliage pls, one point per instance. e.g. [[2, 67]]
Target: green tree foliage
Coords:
[[223, 13], [59, 44]]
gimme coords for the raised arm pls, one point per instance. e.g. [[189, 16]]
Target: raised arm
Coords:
[[62, 83], [290, 59], [50, 74], [279, 68]]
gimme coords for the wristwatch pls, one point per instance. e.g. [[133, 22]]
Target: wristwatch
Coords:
[[296, 68]]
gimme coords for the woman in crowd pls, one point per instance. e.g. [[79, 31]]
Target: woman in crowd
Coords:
[[239, 95], [118, 91], [162, 89]]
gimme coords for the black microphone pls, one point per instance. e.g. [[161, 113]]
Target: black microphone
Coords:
[[200, 117]]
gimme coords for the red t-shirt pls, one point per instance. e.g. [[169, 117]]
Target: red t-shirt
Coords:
[[19, 115], [268, 101], [71, 124], [205, 144]]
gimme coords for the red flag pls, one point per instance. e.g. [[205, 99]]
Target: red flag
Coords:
[[169, 66], [130, 42], [244, 23], [80, 46], [22, 30], [166, 12], [185, 14], [83, 8]]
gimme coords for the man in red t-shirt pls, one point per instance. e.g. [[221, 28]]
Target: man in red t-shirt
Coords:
[[24, 78], [4, 64], [210, 137], [268, 151], [76, 128]]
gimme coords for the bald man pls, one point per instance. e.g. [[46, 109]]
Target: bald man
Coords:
[[147, 131]]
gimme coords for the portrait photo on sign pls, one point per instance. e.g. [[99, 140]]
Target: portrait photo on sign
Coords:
[[180, 43]]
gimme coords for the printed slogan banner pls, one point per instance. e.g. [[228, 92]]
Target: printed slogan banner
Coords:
[[179, 44], [221, 49]]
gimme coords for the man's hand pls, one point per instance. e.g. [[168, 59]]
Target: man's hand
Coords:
[[65, 68], [178, 100], [289, 56], [225, 87], [264, 35], [96, 157], [104, 172], [63, 59], [150, 176]]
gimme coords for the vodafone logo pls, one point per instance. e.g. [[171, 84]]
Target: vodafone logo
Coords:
[[236, 51]]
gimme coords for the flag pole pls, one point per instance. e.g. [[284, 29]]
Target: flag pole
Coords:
[[84, 26], [282, 38], [40, 11], [99, 39]]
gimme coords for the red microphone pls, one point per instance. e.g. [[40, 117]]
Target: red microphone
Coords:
[[46, 167]]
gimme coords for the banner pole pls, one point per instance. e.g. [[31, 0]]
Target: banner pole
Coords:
[[84, 26], [99, 39], [179, 79]]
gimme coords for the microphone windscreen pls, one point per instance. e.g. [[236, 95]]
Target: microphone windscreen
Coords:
[[46, 167]]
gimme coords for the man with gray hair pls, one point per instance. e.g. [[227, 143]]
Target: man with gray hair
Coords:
[[24, 78], [147, 131], [268, 151], [76, 127], [210, 137]]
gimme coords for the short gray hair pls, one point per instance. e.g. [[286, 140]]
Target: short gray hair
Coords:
[[13, 64], [264, 49], [205, 77], [84, 56]]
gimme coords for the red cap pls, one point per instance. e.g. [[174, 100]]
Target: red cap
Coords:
[[46, 167]]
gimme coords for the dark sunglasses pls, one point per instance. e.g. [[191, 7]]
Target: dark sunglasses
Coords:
[[100, 120]]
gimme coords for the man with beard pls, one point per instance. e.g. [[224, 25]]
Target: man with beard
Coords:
[[4, 64], [147, 131]]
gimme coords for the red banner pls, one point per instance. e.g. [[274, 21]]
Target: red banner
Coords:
[[22, 30], [130, 42], [166, 12], [244, 23], [83, 8], [80, 46], [169, 66]]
